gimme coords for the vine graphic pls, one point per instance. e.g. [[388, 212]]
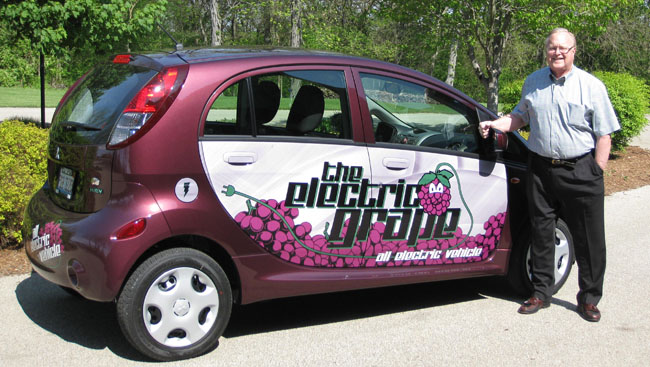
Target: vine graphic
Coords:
[[275, 227]]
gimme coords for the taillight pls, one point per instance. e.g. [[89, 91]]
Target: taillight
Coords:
[[130, 229], [148, 106], [122, 59]]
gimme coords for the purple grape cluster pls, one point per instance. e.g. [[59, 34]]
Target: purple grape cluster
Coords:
[[434, 203], [54, 230], [294, 242]]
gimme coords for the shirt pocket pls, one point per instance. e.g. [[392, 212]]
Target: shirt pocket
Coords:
[[576, 117]]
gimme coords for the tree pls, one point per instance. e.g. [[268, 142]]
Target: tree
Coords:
[[215, 21], [52, 26], [487, 27]]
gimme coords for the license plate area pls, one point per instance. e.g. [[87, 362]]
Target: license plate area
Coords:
[[65, 183]]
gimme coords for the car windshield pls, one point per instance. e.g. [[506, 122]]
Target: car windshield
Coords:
[[88, 114]]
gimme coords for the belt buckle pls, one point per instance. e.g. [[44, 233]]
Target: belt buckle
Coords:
[[556, 162]]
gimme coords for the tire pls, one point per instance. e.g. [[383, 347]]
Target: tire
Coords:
[[175, 305], [519, 272]]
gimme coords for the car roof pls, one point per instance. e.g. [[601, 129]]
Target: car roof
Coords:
[[279, 55], [292, 55]]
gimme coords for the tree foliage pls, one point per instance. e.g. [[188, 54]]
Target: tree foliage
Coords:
[[497, 39]]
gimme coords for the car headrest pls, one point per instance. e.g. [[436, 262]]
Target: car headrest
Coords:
[[267, 101], [307, 110]]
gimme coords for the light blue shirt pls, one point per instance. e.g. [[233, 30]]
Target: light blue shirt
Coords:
[[565, 115]]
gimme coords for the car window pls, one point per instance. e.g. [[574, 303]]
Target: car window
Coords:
[[407, 113], [229, 114], [301, 103]]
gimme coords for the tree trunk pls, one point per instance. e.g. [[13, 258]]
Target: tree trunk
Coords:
[[215, 20], [451, 66], [296, 37], [203, 33], [493, 92], [296, 23], [434, 58]]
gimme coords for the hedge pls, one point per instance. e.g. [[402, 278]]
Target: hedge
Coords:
[[630, 97], [23, 164]]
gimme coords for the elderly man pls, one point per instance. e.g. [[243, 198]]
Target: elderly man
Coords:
[[571, 119]]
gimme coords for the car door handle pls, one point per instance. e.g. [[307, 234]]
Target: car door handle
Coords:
[[396, 163], [240, 158]]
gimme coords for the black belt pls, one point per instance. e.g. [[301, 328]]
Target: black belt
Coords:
[[560, 162]]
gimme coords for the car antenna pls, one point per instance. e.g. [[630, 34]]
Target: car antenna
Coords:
[[178, 46]]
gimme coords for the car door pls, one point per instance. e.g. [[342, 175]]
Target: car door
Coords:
[[439, 200], [284, 152]]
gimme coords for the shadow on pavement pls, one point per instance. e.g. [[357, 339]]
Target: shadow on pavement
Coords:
[[296, 312], [94, 324], [73, 318]]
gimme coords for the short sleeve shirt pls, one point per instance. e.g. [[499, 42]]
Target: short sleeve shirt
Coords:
[[565, 115]]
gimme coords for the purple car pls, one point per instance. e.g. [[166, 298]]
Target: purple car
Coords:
[[181, 183]]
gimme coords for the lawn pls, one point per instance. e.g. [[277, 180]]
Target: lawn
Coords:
[[29, 97]]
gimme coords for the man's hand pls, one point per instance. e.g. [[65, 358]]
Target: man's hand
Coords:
[[484, 128], [505, 123]]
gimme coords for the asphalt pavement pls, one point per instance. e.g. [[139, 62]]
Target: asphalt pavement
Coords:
[[470, 322]]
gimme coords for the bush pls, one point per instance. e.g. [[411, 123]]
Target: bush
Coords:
[[23, 166], [630, 97], [509, 95]]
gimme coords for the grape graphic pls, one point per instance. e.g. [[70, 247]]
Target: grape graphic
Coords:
[[279, 231], [54, 230], [434, 193]]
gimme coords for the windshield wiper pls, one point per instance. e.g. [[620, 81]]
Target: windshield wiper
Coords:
[[74, 126]]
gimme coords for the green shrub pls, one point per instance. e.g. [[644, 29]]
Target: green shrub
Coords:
[[23, 167], [630, 97], [509, 95]]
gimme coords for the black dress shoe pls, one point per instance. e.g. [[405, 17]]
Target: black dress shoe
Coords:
[[532, 305], [589, 312]]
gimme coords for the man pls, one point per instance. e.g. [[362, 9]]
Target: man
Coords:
[[571, 119]]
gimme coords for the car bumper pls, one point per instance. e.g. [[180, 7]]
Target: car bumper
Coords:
[[79, 251]]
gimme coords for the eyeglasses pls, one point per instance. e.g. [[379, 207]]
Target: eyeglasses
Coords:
[[560, 50]]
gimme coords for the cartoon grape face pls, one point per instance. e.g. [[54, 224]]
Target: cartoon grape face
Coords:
[[434, 193]]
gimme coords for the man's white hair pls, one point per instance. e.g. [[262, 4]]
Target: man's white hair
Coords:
[[560, 30]]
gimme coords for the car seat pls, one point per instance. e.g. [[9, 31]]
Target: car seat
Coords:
[[266, 96], [306, 111]]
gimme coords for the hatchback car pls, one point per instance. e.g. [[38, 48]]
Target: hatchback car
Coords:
[[181, 183]]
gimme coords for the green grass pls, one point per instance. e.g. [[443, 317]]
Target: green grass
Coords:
[[29, 97]]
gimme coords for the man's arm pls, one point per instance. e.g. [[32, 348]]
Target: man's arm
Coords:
[[505, 123], [603, 146]]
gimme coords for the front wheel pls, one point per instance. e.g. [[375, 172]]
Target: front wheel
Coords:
[[175, 305], [519, 272]]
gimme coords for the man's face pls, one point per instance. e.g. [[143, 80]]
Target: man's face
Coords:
[[560, 52]]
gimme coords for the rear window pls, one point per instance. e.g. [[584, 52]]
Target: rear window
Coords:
[[89, 113]]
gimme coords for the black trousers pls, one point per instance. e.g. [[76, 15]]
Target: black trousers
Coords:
[[576, 193]]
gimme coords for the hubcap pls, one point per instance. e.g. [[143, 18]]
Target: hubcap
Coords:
[[180, 307]]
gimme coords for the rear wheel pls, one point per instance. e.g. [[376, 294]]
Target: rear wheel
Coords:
[[175, 305], [520, 274]]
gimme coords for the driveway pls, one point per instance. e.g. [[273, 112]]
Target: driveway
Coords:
[[470, 322]]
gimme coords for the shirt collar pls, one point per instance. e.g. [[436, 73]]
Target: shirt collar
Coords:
[[561, 80]]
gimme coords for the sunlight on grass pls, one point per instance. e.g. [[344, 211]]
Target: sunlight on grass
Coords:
[[29, 97]]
